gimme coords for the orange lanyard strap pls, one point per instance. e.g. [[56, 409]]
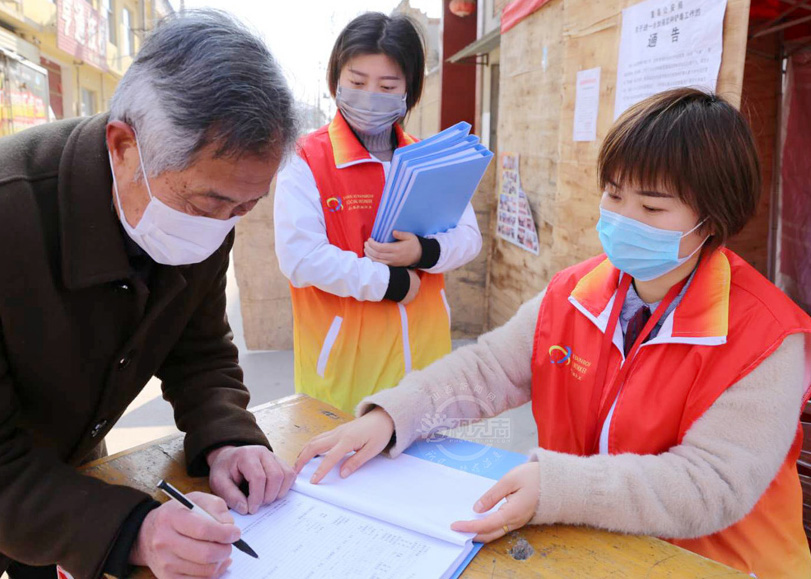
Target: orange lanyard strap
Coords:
[[597, 411]]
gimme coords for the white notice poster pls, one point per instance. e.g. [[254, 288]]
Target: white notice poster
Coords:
[[667, 44], [586, 104]]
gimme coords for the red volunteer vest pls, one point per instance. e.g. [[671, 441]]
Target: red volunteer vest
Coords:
[[729, 320], [346, 349]]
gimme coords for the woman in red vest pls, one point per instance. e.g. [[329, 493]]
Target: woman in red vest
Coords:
[[365, 313], [666, 376]]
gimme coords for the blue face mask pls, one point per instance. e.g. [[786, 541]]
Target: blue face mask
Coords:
[[642, 251]]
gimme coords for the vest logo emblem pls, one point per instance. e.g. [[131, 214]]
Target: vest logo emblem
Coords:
[[560, 355], [334, 204]]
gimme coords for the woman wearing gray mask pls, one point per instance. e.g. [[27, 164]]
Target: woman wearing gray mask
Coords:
[[365, 313]]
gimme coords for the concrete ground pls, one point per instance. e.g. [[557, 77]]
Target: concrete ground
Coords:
[[269, 376]]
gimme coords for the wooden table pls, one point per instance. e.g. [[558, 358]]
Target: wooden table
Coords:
[[556, 551]]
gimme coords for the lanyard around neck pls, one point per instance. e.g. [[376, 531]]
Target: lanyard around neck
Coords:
[[599, 412]]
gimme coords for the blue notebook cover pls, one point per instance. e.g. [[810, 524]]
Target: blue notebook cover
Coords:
[[418, 158], [436, 143], [436, 197], [469, 150], [399, 191], [480, 459], [396, 181]]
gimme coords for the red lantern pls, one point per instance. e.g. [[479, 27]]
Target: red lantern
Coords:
[[463, 8]]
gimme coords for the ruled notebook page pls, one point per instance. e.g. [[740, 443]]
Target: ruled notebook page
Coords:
[[299, 536], [391, 518], [410, 492]]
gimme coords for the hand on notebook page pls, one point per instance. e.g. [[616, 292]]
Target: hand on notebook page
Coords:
[[521, 489], [402, 253], [366, 436], [267, 476]]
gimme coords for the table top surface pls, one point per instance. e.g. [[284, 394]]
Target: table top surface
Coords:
[[533, 551]]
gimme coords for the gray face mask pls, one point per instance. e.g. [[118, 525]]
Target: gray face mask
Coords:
[[370, 112]]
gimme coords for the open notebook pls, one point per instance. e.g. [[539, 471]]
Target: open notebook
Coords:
[[391, 518]]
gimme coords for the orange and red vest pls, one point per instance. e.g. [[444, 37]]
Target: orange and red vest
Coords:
[[347, 349], [729, 320]]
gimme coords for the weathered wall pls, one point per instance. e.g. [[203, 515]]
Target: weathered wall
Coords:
[[529, 115], [592, 36], [264, 293], [465, 286], [423, 120], [559, 175]]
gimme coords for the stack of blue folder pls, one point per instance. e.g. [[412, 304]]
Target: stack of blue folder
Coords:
[[430, 183]]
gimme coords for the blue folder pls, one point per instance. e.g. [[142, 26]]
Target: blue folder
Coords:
[[486, 461], [436, 143], [436, 197], [464, 149], [394, 196], [430, 183]]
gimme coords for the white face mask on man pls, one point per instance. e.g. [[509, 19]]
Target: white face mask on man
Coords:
[[169, 236]]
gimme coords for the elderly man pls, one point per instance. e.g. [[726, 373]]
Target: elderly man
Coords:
[[115, 233]]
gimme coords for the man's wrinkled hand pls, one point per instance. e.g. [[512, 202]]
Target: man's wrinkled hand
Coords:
[[268, 477]]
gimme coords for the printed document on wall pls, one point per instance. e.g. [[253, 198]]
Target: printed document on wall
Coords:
[[667, 44], [587, 104]]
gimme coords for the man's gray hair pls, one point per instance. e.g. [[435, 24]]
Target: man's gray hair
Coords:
[[202, 78]]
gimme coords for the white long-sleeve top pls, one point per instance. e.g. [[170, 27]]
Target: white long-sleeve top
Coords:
[[307, 258]]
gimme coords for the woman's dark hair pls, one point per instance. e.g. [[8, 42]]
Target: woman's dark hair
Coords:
[[375, 33], [696, 144]]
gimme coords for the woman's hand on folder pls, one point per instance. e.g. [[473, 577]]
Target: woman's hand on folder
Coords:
[[402, 253], [521, 489], [367, 436]]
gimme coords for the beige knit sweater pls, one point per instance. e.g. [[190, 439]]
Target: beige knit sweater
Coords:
[[713, 479]]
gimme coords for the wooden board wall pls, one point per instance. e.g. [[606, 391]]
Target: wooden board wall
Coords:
[[592, 37], [537, 115], [423, 120], [529, 118], [264, 293], [465, 287]]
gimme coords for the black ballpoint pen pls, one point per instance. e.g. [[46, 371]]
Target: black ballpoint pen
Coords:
[[175, 494]]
